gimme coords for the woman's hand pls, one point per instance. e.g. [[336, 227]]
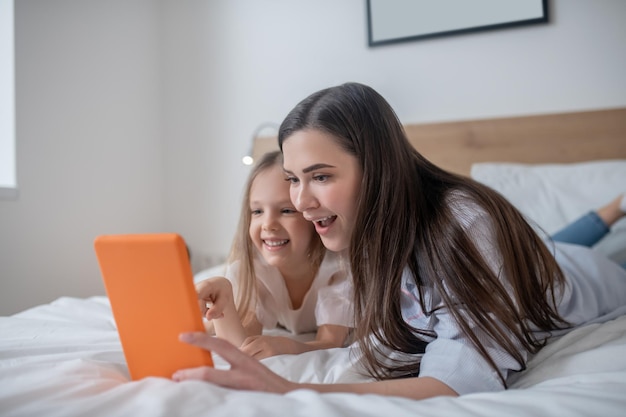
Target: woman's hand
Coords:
[[215, 296], [245, 372]]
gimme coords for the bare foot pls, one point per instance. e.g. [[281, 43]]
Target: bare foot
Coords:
[[613, 211]]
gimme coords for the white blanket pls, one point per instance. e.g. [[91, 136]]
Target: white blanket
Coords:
[[65, 359]]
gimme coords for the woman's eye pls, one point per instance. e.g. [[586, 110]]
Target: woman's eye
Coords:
[[321, 177], [292, 180]]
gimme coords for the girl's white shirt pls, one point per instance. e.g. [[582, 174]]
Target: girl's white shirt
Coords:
[[328, 300], [595, 292]]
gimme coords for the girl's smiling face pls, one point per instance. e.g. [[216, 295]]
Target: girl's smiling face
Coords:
[[277, 230], [325, 183]]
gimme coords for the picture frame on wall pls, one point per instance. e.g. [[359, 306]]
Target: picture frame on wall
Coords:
[[394, 21]]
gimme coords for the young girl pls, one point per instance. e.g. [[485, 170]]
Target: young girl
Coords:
[[281, 272], [445, 270]]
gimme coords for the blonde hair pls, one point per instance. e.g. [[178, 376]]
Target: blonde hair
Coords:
[[244, 251]]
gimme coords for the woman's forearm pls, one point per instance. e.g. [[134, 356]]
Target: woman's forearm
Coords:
[[417, 388]]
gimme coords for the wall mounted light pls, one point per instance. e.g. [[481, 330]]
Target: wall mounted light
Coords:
[[248, 159]]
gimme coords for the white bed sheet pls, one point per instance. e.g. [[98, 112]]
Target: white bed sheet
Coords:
[[65, 359]]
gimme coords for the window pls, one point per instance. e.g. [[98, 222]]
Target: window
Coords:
[[8, 180]]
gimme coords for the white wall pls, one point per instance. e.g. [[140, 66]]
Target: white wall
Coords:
[[89, 143], [240, 63], [167, 94]]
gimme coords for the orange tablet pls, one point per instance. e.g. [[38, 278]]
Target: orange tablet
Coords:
[[149, 283]]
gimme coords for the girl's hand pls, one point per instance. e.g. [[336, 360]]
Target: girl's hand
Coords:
[[215, 295], [260, 347], [217, 302], [245, 372]]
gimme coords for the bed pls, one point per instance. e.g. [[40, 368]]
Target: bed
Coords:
[[65, 358]]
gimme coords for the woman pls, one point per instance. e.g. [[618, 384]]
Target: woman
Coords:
[[464, 288]]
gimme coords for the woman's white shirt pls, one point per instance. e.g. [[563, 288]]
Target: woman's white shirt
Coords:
[[595, 292]]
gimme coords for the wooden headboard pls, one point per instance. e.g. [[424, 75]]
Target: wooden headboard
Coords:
[[548, 138]]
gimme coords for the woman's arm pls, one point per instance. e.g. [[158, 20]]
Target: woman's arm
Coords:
[[417, 388], [246, 373]]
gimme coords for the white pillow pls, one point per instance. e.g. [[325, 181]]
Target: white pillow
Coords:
[[553, 195]]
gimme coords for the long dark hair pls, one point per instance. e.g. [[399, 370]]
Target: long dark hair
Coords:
[[404, 220]]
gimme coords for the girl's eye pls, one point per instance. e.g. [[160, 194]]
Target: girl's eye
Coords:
[[255, 212], [288, 211]]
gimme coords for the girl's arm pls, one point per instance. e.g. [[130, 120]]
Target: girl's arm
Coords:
[[252, 327], [330, 336], [262, 346], [216, 300], [246, 373]]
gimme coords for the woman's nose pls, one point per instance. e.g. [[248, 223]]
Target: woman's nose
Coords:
[[303, 199]]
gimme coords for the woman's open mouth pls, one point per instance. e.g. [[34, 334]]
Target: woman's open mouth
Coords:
[[322, 225]]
